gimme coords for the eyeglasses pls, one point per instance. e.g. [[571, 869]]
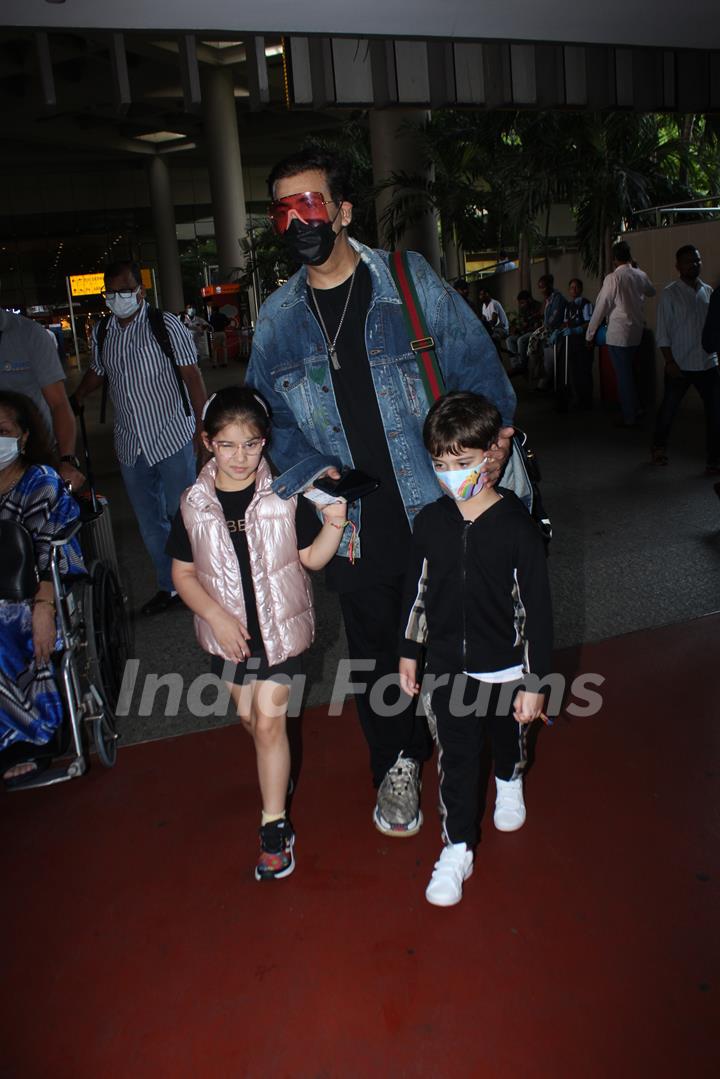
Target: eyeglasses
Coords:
[[122, 293], [229, 449], [309, 206]]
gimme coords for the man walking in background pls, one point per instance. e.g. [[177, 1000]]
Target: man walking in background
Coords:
[[681, 317], [622, 302], [149, 360]]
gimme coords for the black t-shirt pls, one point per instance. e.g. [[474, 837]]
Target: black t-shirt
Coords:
[[234, 505], [384, 528]]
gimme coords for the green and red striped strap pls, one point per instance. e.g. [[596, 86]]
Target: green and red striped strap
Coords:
[[421, 342]]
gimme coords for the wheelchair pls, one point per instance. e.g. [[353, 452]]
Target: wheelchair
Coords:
[[95, 644]]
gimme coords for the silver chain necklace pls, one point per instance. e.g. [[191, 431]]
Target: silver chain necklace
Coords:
[[332, 351]]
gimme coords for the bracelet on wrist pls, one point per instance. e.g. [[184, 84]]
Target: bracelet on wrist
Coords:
[[50, 602], [341, 525]]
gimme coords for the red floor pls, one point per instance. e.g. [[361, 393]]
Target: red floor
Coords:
[[138, 945]]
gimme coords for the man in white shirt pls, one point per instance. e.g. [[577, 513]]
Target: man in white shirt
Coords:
[[494, 315], [622, 302], [681, 316]]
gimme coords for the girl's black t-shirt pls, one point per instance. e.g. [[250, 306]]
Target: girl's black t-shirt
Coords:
[[234, 505]]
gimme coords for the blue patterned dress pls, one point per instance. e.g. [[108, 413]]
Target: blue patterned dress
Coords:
[[30, 703]]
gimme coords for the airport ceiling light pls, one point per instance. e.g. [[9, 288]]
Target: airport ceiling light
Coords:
[[161, 136]]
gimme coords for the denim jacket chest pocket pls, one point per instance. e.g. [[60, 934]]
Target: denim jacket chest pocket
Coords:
[[393, 363], [306, 388]]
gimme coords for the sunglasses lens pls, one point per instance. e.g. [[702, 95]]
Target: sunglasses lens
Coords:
[[309, 206]]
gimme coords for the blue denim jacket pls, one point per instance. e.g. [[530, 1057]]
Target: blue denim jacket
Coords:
[[289, 365]]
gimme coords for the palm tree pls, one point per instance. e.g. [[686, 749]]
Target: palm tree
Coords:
[[626, 162], [458, 148]]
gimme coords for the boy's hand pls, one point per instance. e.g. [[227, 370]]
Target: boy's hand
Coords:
[[496, 457], [528, 706], [408, 677]]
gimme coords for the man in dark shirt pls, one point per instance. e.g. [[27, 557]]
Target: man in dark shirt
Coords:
[[331, 349]]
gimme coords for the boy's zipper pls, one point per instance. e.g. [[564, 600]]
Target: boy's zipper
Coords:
[[466, 527]]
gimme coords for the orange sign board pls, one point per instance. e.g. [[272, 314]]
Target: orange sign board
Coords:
[[220, 290], [92, 284]]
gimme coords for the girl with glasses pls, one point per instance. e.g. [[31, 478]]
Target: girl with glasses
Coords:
[[240, 555]]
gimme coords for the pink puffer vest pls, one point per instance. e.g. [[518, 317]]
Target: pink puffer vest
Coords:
[[282, 587]]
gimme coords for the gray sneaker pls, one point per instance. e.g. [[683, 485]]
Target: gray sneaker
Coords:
[[397, 812]]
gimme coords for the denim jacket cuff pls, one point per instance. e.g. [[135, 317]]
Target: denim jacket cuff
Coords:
[[301, 475]]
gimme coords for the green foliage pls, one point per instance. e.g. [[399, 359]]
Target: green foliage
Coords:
[[457, 149], [492, 176], [267, 258], [626, 162]]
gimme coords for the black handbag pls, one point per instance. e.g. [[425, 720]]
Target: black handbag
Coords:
[[525, 456], [19, 576]]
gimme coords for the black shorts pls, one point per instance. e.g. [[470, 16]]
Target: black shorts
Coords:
[[256, 668]]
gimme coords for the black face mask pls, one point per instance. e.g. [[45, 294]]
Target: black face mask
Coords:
[[311, 244]]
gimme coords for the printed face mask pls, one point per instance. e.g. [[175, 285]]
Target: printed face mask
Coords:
[[461, 483], [123, 306], [9, 450]]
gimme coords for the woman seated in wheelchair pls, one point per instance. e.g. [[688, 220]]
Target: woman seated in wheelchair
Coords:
[[33, 494]]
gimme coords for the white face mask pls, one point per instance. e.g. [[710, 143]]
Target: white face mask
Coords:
[[123, 306], [9, 450], [191, 312], [461, 483]]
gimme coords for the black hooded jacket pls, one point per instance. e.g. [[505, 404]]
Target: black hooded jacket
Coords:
[[484, 587]]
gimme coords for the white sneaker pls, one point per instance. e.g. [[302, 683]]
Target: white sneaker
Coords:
[[509, 805], [454, 866]]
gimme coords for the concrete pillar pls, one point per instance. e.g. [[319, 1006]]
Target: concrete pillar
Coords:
[[225, 167], [395, 150], [170, 283]]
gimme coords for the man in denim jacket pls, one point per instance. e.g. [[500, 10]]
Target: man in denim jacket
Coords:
[[332, 356]]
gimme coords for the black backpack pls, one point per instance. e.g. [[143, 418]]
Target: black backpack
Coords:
[[161, 335]]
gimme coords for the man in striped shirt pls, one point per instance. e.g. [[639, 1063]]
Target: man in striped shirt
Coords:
[[158, 406], [681, 317]]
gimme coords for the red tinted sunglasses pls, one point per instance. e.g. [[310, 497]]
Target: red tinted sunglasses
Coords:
[[309, 206]]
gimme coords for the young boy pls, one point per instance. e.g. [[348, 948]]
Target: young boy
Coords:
[[478, 560]]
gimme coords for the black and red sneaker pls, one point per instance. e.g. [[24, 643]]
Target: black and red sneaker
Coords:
[[276, 851]]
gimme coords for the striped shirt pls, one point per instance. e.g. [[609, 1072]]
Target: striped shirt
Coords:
[[149, 411], [680, 319]]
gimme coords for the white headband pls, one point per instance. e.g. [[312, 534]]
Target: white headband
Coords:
[[214, 395], [207, 405]]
